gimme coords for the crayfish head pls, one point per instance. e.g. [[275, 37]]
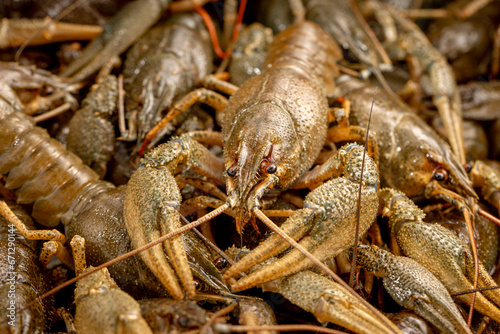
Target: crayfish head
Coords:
[[259, 156], [449, 180], [426, 162], [434, 173]]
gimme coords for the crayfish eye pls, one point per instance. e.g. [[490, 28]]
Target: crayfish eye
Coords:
[[232, 171], [468, 168], [271, 169], [197, 284], [220, 263], [441, 174]]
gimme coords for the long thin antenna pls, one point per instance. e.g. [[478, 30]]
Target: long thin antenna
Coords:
[[469, 219], [358, 208], [475, 290]]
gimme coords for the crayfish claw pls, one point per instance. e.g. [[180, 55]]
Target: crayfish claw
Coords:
[[279, 268], [414, 287], [150, 208], [329, 302], [157, 263], [169, 218], [438, 250], [484, 279], [150, 195], [447, 258], [434, 316], [296, 226]]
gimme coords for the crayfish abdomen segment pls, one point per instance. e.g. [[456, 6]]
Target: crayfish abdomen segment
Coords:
[[47, 174]]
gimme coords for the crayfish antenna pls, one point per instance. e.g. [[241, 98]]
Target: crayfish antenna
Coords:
[[489, 216], [475, 290], [358, 208], [471, 229]]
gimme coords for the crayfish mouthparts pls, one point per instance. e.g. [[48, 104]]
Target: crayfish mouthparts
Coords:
[[249, 200]]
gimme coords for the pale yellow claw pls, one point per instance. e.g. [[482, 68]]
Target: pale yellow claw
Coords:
[[414, 287], [440, 251], [329, 302]]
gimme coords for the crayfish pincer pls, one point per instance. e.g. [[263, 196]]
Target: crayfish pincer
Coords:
[[150, 209], [414, 287], [438, 250], [328, 217]]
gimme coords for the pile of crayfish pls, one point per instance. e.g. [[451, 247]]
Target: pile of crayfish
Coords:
[[223, 166]]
